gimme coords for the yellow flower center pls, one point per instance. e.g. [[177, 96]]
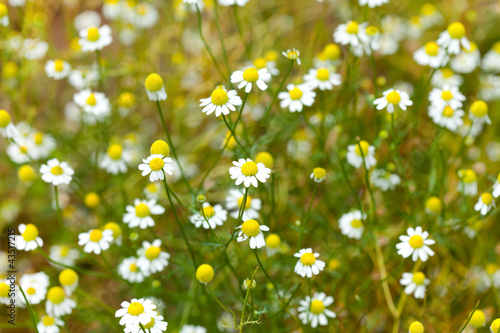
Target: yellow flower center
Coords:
[[416, 241], [4, 289], [48, 321], [434, 205], [486, 198], [418, 278], [152, 252], [26, 174], [219, 97], [415, 20], [152, 188], [250, 74], [292, 55], [317, 307], [115, 151], [332, 51], [352, 28], [273, 241], [31, 291], [319, 173], [68, 277], [3, 10], [356, 224], [133, 268], [160, 147], [479, 109], [95, 235], [56, 295], [142, 210], [393, 97], [251, 228], [428, 9], [323, 74], [57, 170], [456, 30], [63, 251], [496, 47], [58, 65], [431, 48], [478, 319], [448, 111], [446, 95], [296, 93], [156, 164], [38, 138], [205, 273], [469, 176], [23, 149], [135, 309], [126, 100], [371, 30], [93, 34], [260, 63], [249, 169], [416, 327], [150, 324], [91, 100], [4, 118], [30, 233], [247, 203], [208, 211], [154, 82], [364, 148], [447, 73], [308, 259], [114, 227]]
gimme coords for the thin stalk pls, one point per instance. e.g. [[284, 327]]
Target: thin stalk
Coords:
[[266, 274], [279, 89], [240, 31], [58, 209], [223, 46], [470, 316], [303, 225], [245, 301], [383, 277], [232, 133], [366, 178], [222, 305], [99, 67], [30, 309], [95, 300]]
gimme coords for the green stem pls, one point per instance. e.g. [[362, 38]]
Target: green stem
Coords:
[[222, 305], [30, 309], [240, 31], [303, 225], [99, 67], [470, 316], [366, 177], [249, 287], [266, 274], [95, 300], [58, 209], [279, 89], [223, 46]]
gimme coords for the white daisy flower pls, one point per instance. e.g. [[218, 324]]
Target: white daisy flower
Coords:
[[117, 232], [193, 329], [491, 60], [496, 187], [7, 128], [34, 287], [221, 101], [430, 16], [384, 180], [95, 104], [415, 244], [42, 145], [414, 27], [313, 310], [84, 78], [95, 240], [49, 324], [129, 270], [56, 173], [467, 60], [431, 55], [248, 172], [68, 279], [139, 215], [270, 65], [210, 217], [156, 324], [318, 175], [355, 155], [155, 87], [87, 19], [152, 190], [484, 204], [253, 230], [20, 151], [112, 9], [273, 244], [28, 239], [296, 97], [351, 224], [322, 78], [392, 98], [453, 37], [447, 95], [115, 160], [251, 75], [156, 166], [234, 201], [227, 3], [350, 33], [151, 257], [447, 117], [415, 283], [445, 77], [292, 54], [4, 15], [63, 254], [144, 16], [58, 304], [468, 185], [308, 264], [57, 69], [94, 38], [247, 283], [478, 112], [490, 87], [34, 49], [135, 312], [372, 3]]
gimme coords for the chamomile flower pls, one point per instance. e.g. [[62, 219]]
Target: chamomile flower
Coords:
[[445, 77], [115, 160], [253, 230], [117, 232], [143, 16], [491, 60], [372, 3], [49, 324], [431, 55], [227, 3], [95, 240], [477, 319], [135, 312], [234, 201], [351, 224], [4, 15], [433, 206], [7, 128], [292, 54], [112, 9], [350, 33], [478, 112], [249, 76], [42, 145], [384, 180], [152, 258], [34, 48], [68, 280], [447, 117], [467, 60], [429, 15], [152, 190], [209, 217], [221, 101], [484, 204], [318, 175], [157, 324], [155, 87], [193, 329], [355, 155], [58, 304], [308, 264], [496, 187], [313, 310], [469, 182], [156, 165], [139, 215], [87, 19], [415, 283], [447, 95], [95, 105], [205, 273], [34, 287], [28, 239], [415, 244], [392, 98], [270, 65], [19, 150], [495, 326], [273, 244], [296, 97], [248, 172], [56, 173], [129, 270], [322, 78], [453, 37], [57, 69], [95, 38], [64, 254]]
